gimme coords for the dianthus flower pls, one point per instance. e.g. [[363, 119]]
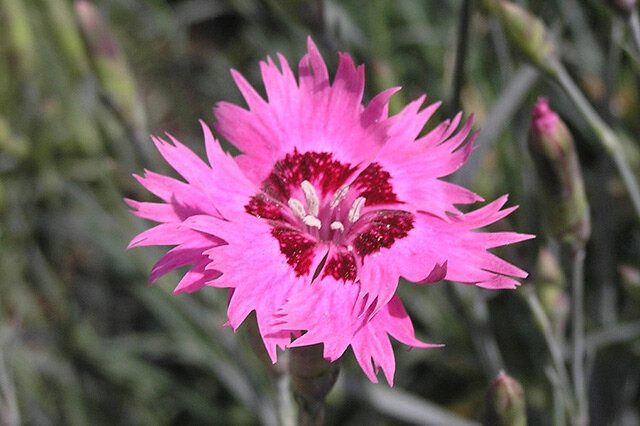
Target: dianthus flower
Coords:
[[329, 203]]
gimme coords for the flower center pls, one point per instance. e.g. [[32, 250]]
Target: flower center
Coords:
[[311, 199], [328, 217]]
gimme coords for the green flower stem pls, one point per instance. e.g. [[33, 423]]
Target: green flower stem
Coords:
[[634, 25], [559, 419], [605, 134], [9, 412], [461, 55], [286, 409], [614, 334], [555, 349], [578, 368], [476, 318], [312, 377]]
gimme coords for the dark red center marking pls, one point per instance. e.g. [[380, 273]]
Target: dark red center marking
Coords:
[[376, 187], [382, 231], [297, 247], [342, 266], [262, 207], [380, 228], [319, 168]]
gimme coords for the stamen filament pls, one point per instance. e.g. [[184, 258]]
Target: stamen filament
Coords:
[[297, 208], [340, 194], [356, 209]]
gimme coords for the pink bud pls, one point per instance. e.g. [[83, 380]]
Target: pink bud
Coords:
[[556, 162], [98, 35], [504, 403]]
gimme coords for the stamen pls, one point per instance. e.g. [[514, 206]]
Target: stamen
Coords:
[[339, 196], [297, 208], [313, 202], [337, 226], [312, 221], [356, 209]]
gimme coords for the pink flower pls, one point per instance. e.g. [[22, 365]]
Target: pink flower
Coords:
[[328, 205]]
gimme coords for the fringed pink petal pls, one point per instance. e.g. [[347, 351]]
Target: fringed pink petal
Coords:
[[176, 258], [463, 249], [372, 349], [179, 194], [371, 344], [378, 282], [252, 98], [158, 212], [314, 76], [327, 311], [196, 278], [254, 282], [227, 188], [166, 234], [378, 108], [438, 273]]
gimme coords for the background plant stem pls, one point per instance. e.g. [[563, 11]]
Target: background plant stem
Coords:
[[607, 137], [461, 54], [578, 365]]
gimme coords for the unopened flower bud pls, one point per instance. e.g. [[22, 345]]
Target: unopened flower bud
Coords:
[[504, 403], [524, 30], [111, 65], [622, 7], [557, 164]]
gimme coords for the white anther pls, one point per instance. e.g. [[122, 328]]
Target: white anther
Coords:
[[356, 209], [313, 202], [337, 226], [312, 221], [339, 196], [297, 208]]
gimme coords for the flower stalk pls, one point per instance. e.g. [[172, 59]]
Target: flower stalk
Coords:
[[567, 211], [555, 349], [461, 55], [578, 364], [551, 289], [628, 11], [312, 377]]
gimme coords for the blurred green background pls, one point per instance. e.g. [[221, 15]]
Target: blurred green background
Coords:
[[84, 340]]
